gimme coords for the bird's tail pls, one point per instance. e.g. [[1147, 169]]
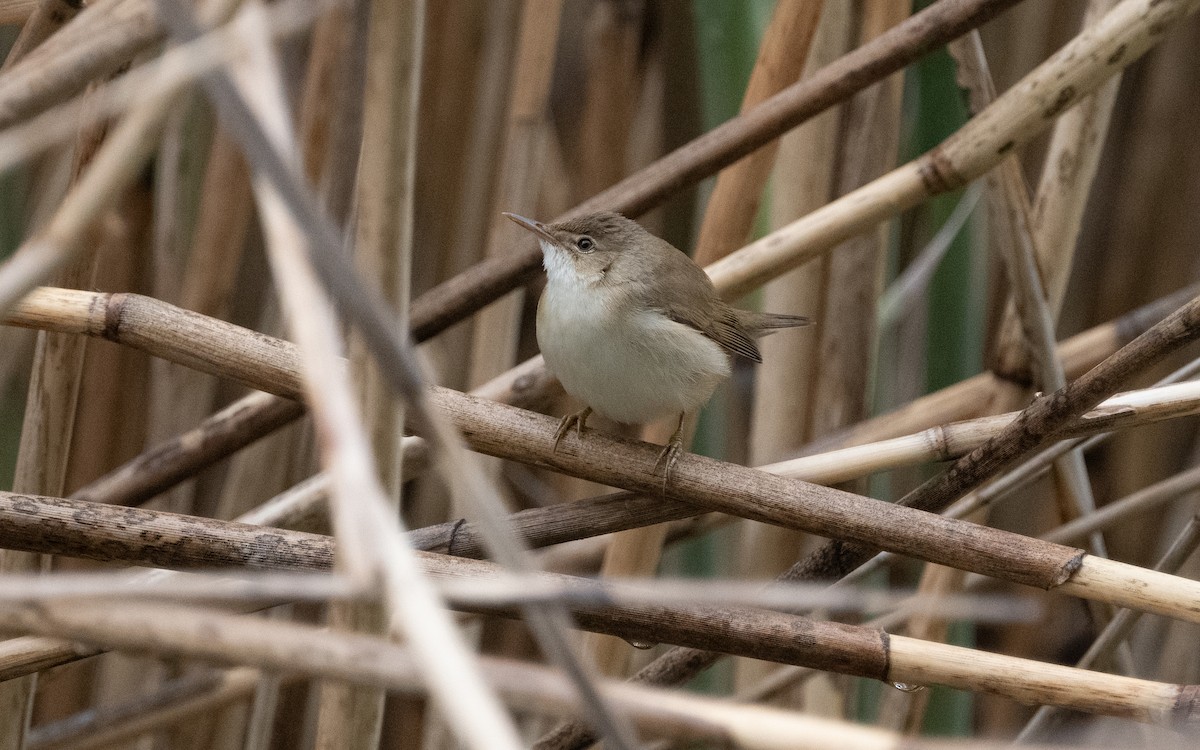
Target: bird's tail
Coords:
[[762, 323]]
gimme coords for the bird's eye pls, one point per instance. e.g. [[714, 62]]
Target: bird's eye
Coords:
[[585, 244]]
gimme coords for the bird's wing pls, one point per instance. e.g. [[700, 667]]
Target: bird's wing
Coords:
[[724, 327], [727, 331]]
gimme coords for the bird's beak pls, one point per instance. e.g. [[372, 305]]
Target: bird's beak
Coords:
[[536, 227]]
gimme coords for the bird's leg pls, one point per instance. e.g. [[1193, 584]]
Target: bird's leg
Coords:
[[670, 454], [578, 419]]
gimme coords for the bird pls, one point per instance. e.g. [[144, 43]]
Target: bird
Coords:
[[632, 327]]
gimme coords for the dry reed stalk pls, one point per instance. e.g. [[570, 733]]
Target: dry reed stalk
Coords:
[[527, 384], [277, 645], [1026, 331], [1035, 467], [47, 17], [850, 649], [853, 276], [1114, 632], [1141, 501], [735, 198], [173, 176], [41, 467], [547, 620], [633, 552], [344, 109], [290, 455], [603, 151], [360, 511], [454, 300], [16, 11], [958, 438], [803, 180], [50, 411], [331, 52], [1093, 56], [288, 205], [271, 704], [837, 558], [1033, 426], [525, 142], [469, 65], [904, 710], [469, 59], [69, 311], [300, 508], [114, 167], [1015, 235], [864, 145], [166, 712], [978, 394], [181, 398], [26, 655], [161, 466], [1118, 629], [222, 223], [739, 481], [1071, 163], [616, 112], [1062, 193], [179, 700], [601, 515], [503, 431], [348, 717], [870, 145], [1143, 161], [103, 37], [254, 590], [384, 221], [175, 69], [91, 117], [479, 174], [1098, 52], [189, 696], [291, 510]]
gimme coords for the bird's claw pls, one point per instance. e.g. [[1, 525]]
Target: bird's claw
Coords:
[[670, 454], [578, 420], [667, 459]]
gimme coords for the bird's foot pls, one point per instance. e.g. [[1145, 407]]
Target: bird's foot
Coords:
[[667, 459], [578, 420], [670, 454]]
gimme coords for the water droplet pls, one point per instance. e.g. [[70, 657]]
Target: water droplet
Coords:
[[905, 687], [640, 645]]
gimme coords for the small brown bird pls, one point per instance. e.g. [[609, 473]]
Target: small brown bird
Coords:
[[632, 327]]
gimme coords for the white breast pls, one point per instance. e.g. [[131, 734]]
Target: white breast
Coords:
[[629, 366]]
